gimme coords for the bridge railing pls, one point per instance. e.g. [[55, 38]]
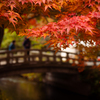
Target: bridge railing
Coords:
[[39, 56]]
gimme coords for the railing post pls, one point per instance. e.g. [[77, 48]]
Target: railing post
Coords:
[[54, 55], [47, 58], [94, 62], [8, 57], [28, 55], [67, 57], [40, 58], [60, 59], [25, 56], [74, 61], [16, 60]]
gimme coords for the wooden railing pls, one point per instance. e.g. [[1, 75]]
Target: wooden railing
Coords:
[[41, 56]]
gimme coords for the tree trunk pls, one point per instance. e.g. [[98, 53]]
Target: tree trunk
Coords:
[[1, 34]]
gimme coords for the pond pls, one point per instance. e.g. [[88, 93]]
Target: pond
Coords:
[[17, 88]]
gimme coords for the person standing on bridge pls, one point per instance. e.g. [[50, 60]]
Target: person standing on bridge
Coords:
[[12, 45], [27, 44]]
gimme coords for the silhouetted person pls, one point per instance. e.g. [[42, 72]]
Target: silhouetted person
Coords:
[[27, 44], [12, 45]]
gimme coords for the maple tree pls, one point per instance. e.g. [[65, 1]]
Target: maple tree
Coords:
[[73, 20]]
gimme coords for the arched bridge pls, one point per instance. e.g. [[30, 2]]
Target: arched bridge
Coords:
[[18, 62]]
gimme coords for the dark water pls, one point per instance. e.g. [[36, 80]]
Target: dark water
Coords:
[[15, 88]]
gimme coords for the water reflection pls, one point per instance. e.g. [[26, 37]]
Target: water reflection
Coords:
[[16, 88]]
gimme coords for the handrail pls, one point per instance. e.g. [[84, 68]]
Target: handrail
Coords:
[[37, 55]]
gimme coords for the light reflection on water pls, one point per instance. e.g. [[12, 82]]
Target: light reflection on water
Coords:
[[16, 88]]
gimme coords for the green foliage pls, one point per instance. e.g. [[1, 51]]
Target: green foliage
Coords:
[[10, 36]]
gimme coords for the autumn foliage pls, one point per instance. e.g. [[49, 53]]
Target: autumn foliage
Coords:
[[73, 20]]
